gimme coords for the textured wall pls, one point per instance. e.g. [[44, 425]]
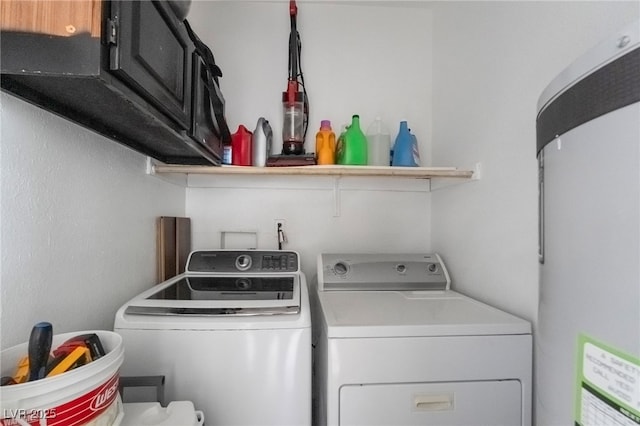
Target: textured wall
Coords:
[[78, 223]]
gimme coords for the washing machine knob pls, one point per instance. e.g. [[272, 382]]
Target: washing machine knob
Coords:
[[432, 267], [340, 268], [401, 268], [243, 262]]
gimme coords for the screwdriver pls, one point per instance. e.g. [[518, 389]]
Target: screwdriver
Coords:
[[39, 348]]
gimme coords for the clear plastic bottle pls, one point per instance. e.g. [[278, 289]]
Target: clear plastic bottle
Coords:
[[379, 144]]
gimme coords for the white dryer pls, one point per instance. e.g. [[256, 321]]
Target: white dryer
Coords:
[[395, 346], [232, 334]]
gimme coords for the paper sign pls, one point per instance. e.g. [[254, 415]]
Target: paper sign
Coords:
[[608, 388]]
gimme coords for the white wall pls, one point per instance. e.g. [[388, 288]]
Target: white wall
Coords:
[[358, 217], [467, 75], [367, 58], [78, 223], [491, 62], [78, 212]]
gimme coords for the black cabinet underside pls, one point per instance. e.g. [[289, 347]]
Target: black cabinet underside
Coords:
[[72, 83]]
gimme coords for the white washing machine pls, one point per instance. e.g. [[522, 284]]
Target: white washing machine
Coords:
[[232, 334], [395, 346]]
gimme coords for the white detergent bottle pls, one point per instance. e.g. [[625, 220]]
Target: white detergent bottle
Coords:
[[379, 139]]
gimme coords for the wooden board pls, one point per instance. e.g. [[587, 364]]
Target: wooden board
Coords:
[[173, 246], [59, 17], [183, 242]]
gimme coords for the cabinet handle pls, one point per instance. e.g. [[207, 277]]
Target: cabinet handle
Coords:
[[541, 207], [441, 402]]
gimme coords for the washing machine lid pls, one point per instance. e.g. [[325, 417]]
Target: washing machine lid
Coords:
[[351, 314], [221, 295]]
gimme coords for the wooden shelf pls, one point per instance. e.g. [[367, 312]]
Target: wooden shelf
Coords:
[[333, 170]]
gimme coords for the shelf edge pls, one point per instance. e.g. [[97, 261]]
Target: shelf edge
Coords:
[[333, 170]]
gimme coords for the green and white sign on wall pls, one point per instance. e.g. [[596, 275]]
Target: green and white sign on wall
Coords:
[[608, 387]]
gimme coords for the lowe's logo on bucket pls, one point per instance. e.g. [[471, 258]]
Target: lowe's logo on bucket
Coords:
[[105, 397]]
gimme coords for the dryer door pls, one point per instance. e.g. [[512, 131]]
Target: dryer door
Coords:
[[455, 403]]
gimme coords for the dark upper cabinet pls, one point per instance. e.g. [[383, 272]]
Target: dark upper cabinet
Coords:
[[204, 127], [152, 54], [125, 69]]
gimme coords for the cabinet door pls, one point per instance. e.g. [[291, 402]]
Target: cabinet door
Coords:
[[204, 126], [152, 54]]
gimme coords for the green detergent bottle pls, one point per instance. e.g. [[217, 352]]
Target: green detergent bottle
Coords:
[[352, 145]]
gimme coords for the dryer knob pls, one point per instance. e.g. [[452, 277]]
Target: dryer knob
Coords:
[[243, 262], [340, 268], [243, 283]]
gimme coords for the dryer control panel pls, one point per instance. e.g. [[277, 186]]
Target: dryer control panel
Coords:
[[243, 261], [410, 272]]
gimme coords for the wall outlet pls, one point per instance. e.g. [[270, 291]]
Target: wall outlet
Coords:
[[279, 224]]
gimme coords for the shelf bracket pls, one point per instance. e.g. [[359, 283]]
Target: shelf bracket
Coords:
[[177, 178], [477, 171], [336, 197], [151, 166]]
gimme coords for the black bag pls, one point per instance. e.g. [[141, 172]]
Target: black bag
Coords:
[[213, 73]]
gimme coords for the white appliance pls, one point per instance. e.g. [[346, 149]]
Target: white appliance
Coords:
[[232, 334], [588, 145], [395, 346]]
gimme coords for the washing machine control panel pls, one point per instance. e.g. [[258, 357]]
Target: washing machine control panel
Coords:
[[241, 261]]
